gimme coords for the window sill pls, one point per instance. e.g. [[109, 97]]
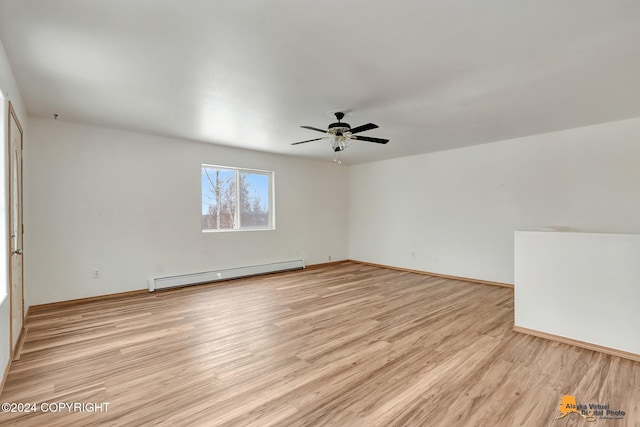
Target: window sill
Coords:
[[233, 230]]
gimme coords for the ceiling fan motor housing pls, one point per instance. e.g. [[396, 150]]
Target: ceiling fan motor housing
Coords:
[[335, 127], [339, 128]]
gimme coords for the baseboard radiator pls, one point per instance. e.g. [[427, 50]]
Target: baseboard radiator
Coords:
[[225, 274]]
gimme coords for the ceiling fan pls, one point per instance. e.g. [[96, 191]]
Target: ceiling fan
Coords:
[[341, 134]]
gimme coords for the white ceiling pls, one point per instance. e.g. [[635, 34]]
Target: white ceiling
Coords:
[[433, 74]]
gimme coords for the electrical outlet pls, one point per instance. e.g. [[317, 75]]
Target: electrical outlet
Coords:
[[329, 257], [96, 274]]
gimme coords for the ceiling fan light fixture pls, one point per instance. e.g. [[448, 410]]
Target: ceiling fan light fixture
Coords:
[[340, 143]]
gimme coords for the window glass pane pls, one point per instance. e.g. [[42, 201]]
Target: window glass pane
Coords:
[[236, 199], [218, 198], [254, 200]]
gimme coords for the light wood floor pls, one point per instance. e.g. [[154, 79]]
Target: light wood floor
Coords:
[[341, 345]]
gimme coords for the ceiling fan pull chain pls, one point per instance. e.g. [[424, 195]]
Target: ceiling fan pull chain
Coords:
[[336, 157]]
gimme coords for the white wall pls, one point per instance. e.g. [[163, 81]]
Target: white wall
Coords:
[[455, 212], [124, 203], [9, 92], [579, 285]]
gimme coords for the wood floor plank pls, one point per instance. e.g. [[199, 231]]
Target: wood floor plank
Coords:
[[338, 345]]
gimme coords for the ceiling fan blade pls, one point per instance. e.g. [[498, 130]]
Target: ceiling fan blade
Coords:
[[312, 128], [308, 140], [362, 128], [370, 139]]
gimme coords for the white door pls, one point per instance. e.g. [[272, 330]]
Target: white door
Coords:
[[16, 229]]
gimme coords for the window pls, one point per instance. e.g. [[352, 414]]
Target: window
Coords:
[[236, 199]]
